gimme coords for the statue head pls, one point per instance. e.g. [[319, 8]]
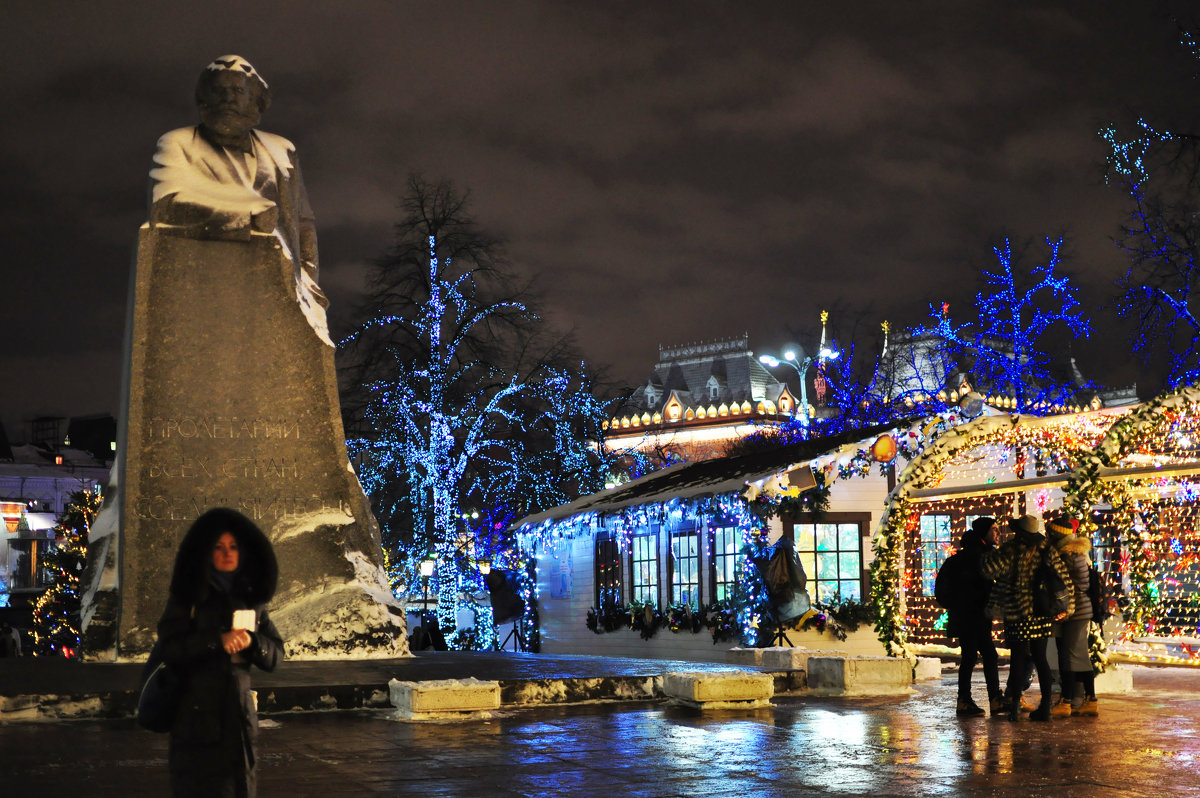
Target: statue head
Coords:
[[232, 96]]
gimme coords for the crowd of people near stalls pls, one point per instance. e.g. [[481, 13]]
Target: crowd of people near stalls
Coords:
[[1040, 583]]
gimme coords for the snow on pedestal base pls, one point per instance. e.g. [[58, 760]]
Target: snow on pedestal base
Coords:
[[734, 689], [353, 619], [448, 698], [860, 675]]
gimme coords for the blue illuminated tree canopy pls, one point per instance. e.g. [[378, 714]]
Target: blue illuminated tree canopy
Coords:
[[1160, 173], [1017, 310], [1159, 170], [462, 399]]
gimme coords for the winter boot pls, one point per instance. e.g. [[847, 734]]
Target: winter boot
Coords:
[[1091, 707], [968, 708], [998, 705], [1043, 710], [1062, 709]]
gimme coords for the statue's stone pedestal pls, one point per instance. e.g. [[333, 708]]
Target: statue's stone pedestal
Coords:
[[231, 400]]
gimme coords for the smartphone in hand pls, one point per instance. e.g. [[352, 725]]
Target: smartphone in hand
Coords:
[[245, 619]]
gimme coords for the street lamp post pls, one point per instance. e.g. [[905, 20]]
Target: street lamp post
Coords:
[[426, 572], [801, 365]]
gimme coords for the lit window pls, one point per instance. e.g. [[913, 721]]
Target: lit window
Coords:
[[726, 546], [831, 554], [685, 569], [645, 568], [936, 545]]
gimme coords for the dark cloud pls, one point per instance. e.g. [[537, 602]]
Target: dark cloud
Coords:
[[670, 171]]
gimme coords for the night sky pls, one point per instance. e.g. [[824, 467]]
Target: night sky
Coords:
[[669, 171]]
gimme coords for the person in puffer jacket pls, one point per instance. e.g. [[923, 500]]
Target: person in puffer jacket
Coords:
[[1074, 661], [1015, 564]]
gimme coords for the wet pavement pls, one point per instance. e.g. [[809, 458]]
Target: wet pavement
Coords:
[[1143, 744]]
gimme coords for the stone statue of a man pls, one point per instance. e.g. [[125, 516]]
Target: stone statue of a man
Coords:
[[222, 179]]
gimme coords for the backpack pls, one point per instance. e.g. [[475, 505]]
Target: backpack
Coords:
[[1097, 593], [1051, 595], [947, 590]]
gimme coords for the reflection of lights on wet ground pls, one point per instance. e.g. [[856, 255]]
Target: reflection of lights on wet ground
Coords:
[[831, 727]]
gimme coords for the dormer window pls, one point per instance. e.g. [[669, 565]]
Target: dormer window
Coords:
[[652, 396], [713, 387]]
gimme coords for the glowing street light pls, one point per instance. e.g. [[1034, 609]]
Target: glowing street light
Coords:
[[800, 364]]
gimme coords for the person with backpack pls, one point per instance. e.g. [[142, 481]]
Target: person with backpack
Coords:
[[1035, 580], [963, 591], [1074, 660]]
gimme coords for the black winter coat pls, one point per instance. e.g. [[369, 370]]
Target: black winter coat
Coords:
[[212, 746], [961, 582]]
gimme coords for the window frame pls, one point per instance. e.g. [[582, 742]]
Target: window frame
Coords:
[[953, 535], [654, 589], [715, 559], [672, 566], [608, 589], [863, 520]]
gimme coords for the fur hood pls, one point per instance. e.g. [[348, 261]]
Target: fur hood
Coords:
[[257, 574], [1071, 544]]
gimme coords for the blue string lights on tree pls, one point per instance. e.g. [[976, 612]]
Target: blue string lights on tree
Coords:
[[466, 401], [1016, 311], [1157, 169]]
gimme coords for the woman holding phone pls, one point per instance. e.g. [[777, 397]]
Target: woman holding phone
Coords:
[[214, 628]]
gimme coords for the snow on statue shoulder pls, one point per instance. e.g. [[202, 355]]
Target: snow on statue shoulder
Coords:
[[224, 180]]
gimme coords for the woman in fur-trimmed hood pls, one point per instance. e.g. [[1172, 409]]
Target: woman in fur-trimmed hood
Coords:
[[225, 565], [1013, 566], [1074, 660]]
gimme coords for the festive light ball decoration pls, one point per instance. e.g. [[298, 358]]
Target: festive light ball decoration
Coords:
[[884, 449]]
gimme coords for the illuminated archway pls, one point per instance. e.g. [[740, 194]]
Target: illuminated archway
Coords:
[[979, 465], [1146, 470]]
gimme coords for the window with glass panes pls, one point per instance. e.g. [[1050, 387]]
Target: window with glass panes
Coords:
[[685, 569], [937, 543], [644, 562], [726, 548], [608, 571], [831, 553]]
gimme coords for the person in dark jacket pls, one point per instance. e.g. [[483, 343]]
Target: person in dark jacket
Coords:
[[214, 628], [1014, 564], [964, 591]]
